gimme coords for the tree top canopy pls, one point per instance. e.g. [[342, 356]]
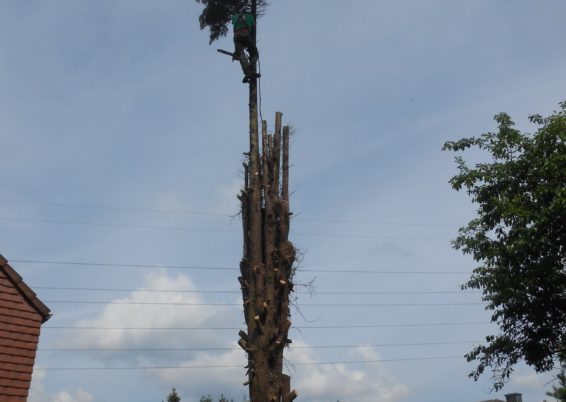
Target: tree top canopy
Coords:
[[216, 14], [519, 240]]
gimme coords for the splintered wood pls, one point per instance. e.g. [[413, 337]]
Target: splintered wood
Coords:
[[267, 265]]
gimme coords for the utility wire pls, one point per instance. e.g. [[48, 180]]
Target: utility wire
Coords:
[[377, 360], [240, 366], [380, 345], [188, 229], [301, 328], [118, 225], [199, 267], [115, 303], [373, 222], [115, 208], [110, 265], [204, 213], [370, 292]]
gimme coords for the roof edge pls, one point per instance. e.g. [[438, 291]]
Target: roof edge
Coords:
[[29, 294]]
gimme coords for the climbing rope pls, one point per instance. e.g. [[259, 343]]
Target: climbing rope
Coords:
[[259, 87]]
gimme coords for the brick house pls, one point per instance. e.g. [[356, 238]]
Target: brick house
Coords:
[[21, 316]]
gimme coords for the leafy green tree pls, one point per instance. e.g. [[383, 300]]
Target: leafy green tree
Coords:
[[173, 396], [206, 399], [216, 14], [560, 392], [519, 240]]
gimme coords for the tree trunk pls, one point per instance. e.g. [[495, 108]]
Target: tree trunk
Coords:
[[267, 265]]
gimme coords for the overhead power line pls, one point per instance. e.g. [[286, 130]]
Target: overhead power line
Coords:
[[118, 225], [226, 268], [114, 208], [240, 366], [380, 345], [374, 222], [219, 291], [136, 290], [188, 229], [301, 328], [121, 303], [111, 265], [225, 215]]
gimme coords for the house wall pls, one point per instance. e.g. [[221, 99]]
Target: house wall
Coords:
[[19, 335]]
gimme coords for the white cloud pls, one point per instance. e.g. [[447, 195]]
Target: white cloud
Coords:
[[39, 394], [531, 381], [37, 389], [228, 379], [80, 396], [315, 382], [362, 383], [123, 317]]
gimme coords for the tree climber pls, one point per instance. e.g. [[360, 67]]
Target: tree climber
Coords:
[[244, 25]]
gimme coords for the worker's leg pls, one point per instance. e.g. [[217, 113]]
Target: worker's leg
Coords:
[[248, 43], [237, 50], [252, 49], [239, 44], [250, 46]]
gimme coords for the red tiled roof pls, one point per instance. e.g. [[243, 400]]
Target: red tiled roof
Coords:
[[29, 294], [21, 316]]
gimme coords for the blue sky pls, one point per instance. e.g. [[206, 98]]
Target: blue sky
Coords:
[[123, 106]]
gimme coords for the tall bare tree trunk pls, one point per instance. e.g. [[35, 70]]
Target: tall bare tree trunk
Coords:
[[267, 264]]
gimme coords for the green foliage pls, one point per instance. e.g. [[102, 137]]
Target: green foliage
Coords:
[[560, 392], [216, 14], [173, 396], [519, 239]]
